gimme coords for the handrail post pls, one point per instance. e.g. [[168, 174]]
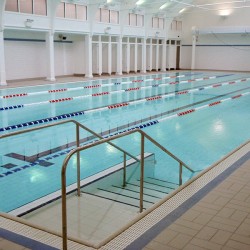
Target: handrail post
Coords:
[[142, 173], [78, 161], [64, 210], [180, 174], [124, 170]]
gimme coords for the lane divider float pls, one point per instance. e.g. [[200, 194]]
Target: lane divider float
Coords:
[[120, 91], [105, 85]]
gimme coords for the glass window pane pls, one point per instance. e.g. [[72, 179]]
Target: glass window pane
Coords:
[[60, 10], [98, 15], [70, 11], [104, 15], [173, 25], [114, 16], [132, 19], [40, 7], [161, 23], [26, 6], [155, 22], [11, 5], [139, 20], [179, 25], [81, 12]]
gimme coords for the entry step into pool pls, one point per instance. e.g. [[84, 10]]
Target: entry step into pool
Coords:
[[126, 191]]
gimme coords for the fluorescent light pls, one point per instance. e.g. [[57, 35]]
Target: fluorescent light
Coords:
[[225, 12], [140, 2], [182, 10], [109, 1], [164, 6]]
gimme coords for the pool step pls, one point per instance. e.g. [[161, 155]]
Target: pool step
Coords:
[[154, 190]]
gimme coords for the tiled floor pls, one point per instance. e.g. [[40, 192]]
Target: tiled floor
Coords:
[[89, 218], [8, 245], [221, 220]]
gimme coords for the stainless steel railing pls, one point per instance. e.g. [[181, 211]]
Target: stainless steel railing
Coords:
[[78, 126], [107, 140]]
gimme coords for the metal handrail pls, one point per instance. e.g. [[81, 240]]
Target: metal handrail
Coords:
[[78, 125], [107, 140]]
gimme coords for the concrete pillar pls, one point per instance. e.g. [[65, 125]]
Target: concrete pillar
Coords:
[[157, 55], [169, 54], [119, 56], [109, 56], [128, 56], [150, 54], [2, 60], [144, 55], [50, 56], [163, 59], [100, 55], [88, 63], [136, 54], [193, 51]]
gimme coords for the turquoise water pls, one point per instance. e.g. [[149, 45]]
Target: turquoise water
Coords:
[[30, 164]]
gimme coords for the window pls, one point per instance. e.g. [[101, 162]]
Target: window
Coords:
[[107, 16], [179, 25], [161, 23], [139, 20], [26, 6], [104, 15], [37, 7], [132, 19], [114, 16], [71, 11], [176, 25], [81, 12], [135, 19], [158, 23], [40, 7], [155, 22], [11, 5], [60, 11]]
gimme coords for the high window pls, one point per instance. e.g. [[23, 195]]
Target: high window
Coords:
[[71, 11], [107, 16], [136, 20], [37, 7], [157, 23]]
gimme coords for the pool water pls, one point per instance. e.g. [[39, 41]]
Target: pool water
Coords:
[[30, 164]]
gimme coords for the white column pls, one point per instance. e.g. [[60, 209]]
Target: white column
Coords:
[[50, 56], [169, 54], [136, 54], [128, 56], [157, 55], [2, 60], [100, 56], [144, 55], [119, 56], [193, 51], [88, 63], [109, 56], [150, 55], [163, 59]]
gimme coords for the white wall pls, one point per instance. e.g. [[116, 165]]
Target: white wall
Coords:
[[25, 59], [217, 50]]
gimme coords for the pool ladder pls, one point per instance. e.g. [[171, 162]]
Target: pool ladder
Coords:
[[79, 148]]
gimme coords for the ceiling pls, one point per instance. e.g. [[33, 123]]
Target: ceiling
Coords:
[[173, 8]]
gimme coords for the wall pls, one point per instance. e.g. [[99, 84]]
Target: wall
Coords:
[[221, 42]]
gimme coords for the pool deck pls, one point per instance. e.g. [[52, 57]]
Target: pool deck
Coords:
[[211, 212]]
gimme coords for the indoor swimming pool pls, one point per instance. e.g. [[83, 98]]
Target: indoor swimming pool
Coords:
[[198, 116]]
